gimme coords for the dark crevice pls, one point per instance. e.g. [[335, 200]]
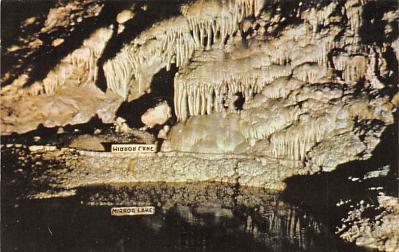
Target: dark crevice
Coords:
[[52, 136], [17, 12], [372, 29], [161, 90], [52, 55], [239, 103], [320, 192], [41, 61], [393, 65]]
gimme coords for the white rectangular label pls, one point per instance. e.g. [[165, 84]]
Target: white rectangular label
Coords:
[[131, 211], [133, 148]]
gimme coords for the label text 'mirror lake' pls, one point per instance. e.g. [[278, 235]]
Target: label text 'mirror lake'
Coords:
[[126, 211]]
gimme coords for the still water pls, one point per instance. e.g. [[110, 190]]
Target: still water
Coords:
[[189, 217]]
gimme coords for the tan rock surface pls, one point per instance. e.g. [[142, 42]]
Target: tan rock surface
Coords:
[[298, 86], [157, 115]]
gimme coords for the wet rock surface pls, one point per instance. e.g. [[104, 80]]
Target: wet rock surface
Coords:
[[187, 216], [345, 202]]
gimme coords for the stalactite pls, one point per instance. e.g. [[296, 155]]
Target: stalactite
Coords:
[[311, 72], [175, 40], [297, 140], [371, 72], [215, 92], [78, 68], [319, 17], [353, 68], [354, 12]]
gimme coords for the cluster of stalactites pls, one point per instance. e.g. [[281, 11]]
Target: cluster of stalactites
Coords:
[[271, 123], [353, 68], [207, 31], [218, 92], [78, 68], [297, 140], [118, 74], [193, 99], [320, 17], [131, 64], [174, 41], [353, 9], [354, 12]]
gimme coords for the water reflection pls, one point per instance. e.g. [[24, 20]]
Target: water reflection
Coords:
[[195, 217]]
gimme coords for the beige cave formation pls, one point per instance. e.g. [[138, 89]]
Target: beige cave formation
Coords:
[[243, 92], [269, 88]]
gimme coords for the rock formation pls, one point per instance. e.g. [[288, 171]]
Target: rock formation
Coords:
[[158, 115], [261, 90], [302, 82], [380, 232]]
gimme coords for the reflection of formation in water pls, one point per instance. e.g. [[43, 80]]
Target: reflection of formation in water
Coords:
[[253, 212]]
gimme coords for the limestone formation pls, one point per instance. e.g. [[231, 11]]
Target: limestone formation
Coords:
[[67, 95], [380, 233], [253, 77], [241, 91], [157, 115], [124, 16]]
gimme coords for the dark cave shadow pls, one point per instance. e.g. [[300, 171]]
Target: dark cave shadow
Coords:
[[47, 57], [319, 193], [373, 23], [14, 13], [50, 135], [161, 90]]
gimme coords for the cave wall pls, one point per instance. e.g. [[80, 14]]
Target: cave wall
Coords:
[[316, 81]]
